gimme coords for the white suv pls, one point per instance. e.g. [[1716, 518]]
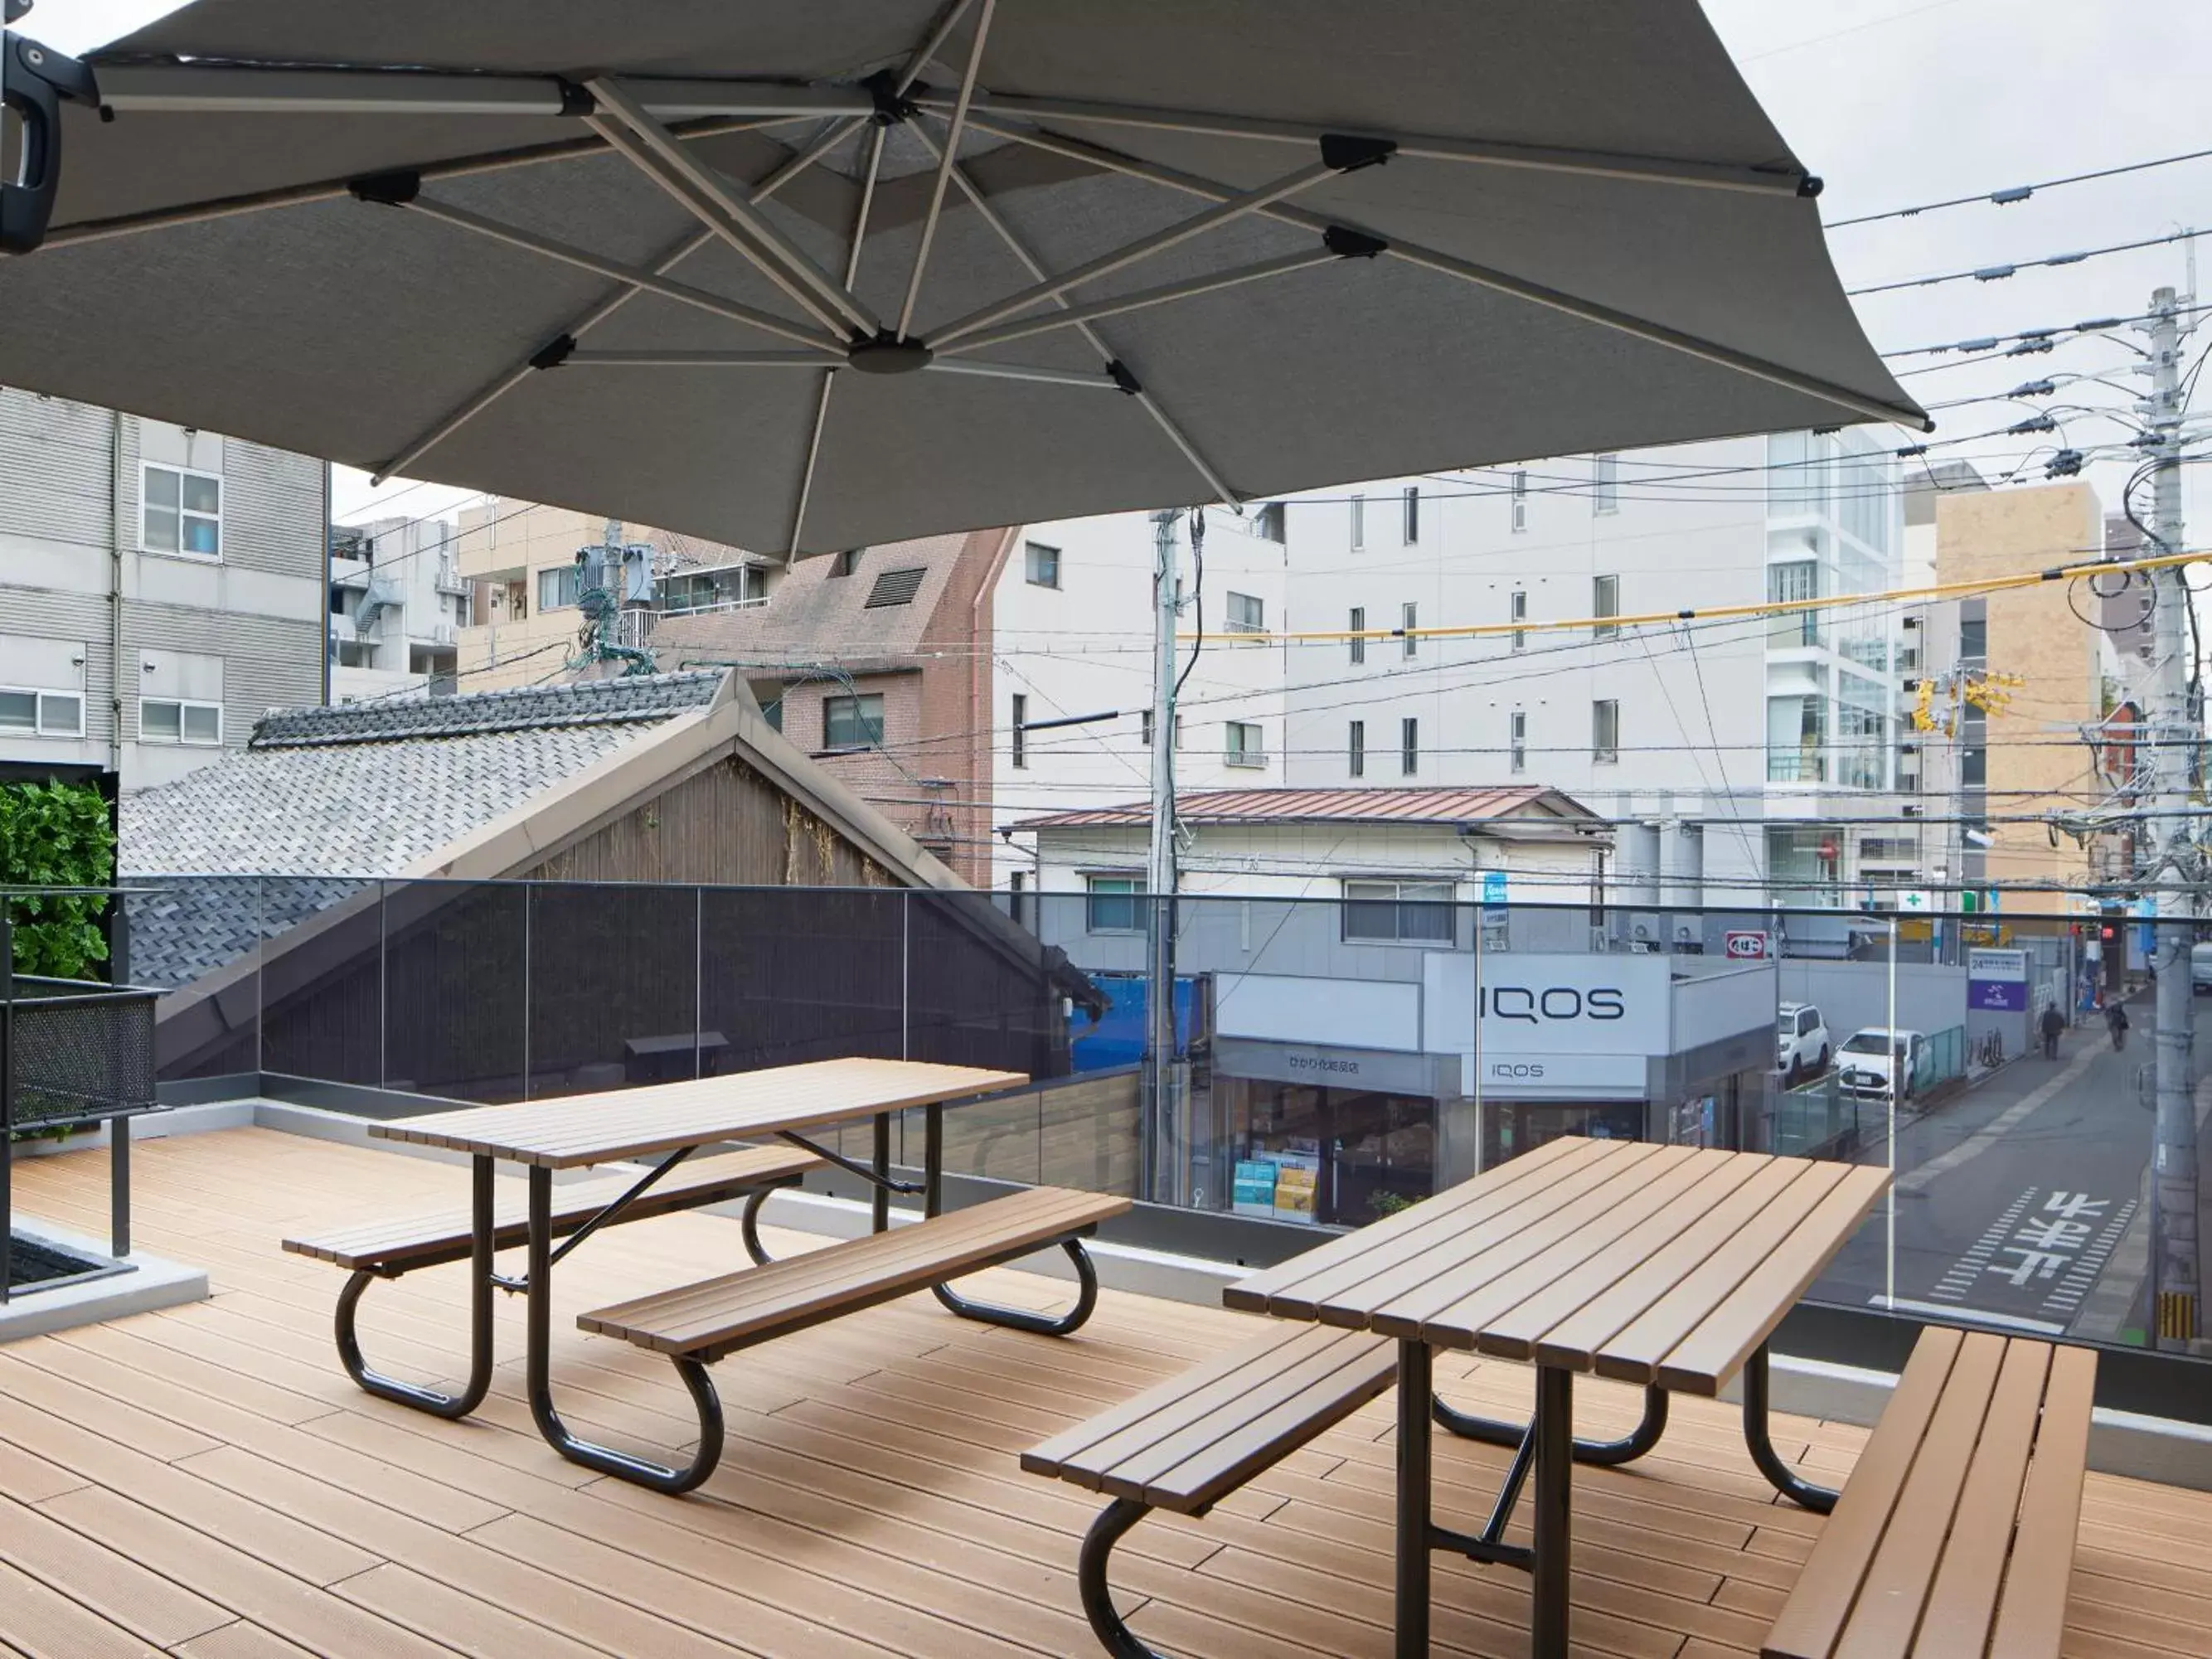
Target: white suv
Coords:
[[1801, 1042]]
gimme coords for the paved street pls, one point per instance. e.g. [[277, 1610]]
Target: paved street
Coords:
[[2014, 1199]]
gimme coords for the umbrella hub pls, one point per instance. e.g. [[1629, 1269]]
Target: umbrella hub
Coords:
[[886, 354]]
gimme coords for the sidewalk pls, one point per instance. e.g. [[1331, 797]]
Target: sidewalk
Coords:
[[2112, 1311]]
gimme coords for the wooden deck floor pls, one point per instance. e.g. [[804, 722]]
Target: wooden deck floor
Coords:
[[206, 1482]]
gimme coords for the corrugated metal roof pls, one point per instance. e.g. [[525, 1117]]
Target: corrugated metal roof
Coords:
[[1428, 806]]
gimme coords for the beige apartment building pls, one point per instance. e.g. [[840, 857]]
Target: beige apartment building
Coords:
[[2026, 759], [520, 562]]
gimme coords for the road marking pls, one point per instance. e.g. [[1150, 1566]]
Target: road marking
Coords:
[[1966, 1271], [1990, 1133], [1968, 1316]]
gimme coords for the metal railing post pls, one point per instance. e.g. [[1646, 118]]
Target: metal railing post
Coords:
[[528, 890], [7, 1103]]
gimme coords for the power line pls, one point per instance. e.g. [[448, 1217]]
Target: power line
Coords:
[[2015, 193], [1998, 272]]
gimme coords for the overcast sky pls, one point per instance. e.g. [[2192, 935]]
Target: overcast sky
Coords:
[[1895, 102]]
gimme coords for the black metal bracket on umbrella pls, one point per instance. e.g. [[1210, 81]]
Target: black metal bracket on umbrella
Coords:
[[539, 1382], [1603, 1453], [480, 1281], [35, 81], [990, 1312], [1799, 1491]]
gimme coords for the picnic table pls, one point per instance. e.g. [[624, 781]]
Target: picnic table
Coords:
[[1665, 1266], [697, 1324]]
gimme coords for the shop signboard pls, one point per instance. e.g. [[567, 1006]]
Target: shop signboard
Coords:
[[1524, 1076], [1745, 946], [1996, 980]]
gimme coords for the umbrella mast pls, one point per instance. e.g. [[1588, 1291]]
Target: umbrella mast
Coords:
[[1168, 1168]]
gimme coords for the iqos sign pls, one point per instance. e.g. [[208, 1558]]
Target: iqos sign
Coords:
[[1553, 1004], [1542, 1004]]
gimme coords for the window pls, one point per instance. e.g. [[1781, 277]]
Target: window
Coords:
[[1797, 739], [852, 722], [1605, 601], [1974, 768], [1043, 565], [1358, 523], [1357, 625], [557, 588], [1409, 746], [169, 720], [1604, 485], [1398, 912], [182, 513], [1272, 523], [1519, 503], [1795, 582], [1517, 734], [845, 563], [1605, 729], [48, 713], [1974, 638], [1410, 619], [1356, 735], [1246, 746], [1246, 615], [1111, 904], [1146, 716], [1412, 514], [1020, 724], [1518, 611]]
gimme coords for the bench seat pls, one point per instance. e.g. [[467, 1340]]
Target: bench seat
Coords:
[[704, 1322], [427, 1240], [1955, 1534], [1196, 1437]]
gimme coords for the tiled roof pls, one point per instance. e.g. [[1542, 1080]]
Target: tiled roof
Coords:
[[320, 795], [532, 708], [1421, 806]]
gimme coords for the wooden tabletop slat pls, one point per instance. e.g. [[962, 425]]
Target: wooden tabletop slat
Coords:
[[598, 1129], [1672, 1195], [2034, 1613], [1964, 1596], [1295, 1285], [1620, 1256], [1635, 1354], [1464, 1248], [1710, 1355], [1821, 1603], [1514, 1334], [1574, 1339]]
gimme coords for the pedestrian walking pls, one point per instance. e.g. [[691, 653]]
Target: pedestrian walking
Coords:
[[2116, 1020], [2053, 1024]]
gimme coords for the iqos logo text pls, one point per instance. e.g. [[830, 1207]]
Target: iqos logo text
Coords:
[[1559, 1003]]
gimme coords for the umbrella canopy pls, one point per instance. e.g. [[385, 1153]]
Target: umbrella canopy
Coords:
[[806, 277]]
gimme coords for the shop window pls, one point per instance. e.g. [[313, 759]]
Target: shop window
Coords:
[[1398, 912]]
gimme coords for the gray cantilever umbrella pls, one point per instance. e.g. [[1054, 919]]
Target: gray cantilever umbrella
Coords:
[[806, 276]]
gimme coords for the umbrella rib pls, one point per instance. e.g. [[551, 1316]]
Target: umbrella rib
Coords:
[[944, 166], [1035, 267], [1574, 306], [1646, 169], [650, 281], [1231, 206], [605, 308], [1022, 372], [655, 359], [655, 151], [1141, 299]]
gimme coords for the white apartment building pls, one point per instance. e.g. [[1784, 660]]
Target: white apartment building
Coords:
[[160, 589], [1733, 755], [397, 605]]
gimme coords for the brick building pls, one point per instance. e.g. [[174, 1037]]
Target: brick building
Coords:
[[877, 662]]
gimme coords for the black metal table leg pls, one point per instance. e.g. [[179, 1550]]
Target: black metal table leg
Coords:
[[1604, 1453], [1019, 1319], [1819, 1499], [1554, 1433], [1414, 1392], [538, 1301], [480, 1341], [119, 1186], [1098, 1594], [880, 1199]]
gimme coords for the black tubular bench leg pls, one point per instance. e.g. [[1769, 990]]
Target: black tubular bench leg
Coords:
[[749, 1226], [1114, 1520], [1021, 1319], [539, 1378], [480, 1344], [1605, 1453], [1819, 1499]]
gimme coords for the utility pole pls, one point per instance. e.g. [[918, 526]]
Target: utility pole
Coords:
[[2175, 1284], [1167, 1169]]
